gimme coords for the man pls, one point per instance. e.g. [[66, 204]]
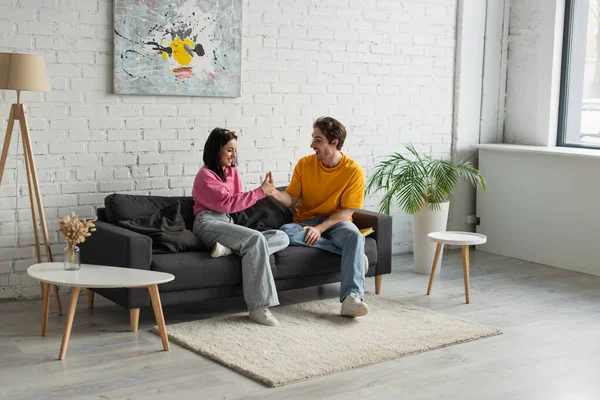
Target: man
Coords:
[[326, 188]]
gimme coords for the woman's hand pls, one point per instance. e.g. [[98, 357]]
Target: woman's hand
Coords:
[[268, 186]]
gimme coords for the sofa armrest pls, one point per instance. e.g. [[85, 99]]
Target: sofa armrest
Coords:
[[118, 247], [382, 224]]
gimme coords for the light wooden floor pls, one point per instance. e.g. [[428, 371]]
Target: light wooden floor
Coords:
[[550, 348]]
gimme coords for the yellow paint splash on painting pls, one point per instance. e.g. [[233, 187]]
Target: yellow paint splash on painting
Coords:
[[179, 52]]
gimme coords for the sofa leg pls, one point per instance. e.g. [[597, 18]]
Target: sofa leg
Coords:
[[134, 318], [378, 279], [90, 298]]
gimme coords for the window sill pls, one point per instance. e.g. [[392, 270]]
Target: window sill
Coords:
[[560, 151]]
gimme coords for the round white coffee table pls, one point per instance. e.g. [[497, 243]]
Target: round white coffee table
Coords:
[[464, 239], [97, 276]]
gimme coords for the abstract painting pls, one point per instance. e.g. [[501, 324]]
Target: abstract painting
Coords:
[[178, 47]]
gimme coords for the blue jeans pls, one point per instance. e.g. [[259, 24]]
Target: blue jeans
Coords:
[[344, 239], [253, 246]]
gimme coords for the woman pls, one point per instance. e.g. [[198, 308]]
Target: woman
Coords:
[[217, 192]]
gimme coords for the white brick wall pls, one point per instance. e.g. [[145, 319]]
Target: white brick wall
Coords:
[[383, 68]]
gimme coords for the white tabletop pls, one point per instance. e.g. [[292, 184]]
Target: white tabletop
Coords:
[[457, 238], [96, 276]]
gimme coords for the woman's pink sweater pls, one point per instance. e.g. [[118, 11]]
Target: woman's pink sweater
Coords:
[[211, 193]]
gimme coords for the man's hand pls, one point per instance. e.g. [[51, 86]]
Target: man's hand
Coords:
[[313, 234], [268, 186]]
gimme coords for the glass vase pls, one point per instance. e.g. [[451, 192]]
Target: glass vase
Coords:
[[72, 261]]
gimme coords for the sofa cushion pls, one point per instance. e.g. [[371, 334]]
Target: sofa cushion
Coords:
[[197, 270], [166, 229], [265, 214], [297, 261], [121, 207]]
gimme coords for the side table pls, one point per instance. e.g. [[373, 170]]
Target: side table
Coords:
[[97, 276], [464, 239]]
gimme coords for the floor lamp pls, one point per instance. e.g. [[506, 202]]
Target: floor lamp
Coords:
[[27, 72]]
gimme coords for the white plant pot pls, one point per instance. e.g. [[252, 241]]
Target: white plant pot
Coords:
[[425, 222]]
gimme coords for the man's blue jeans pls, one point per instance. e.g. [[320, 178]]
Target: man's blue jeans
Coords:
[[344, 239]]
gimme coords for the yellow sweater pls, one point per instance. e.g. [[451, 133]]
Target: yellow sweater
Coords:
[[323, 191]]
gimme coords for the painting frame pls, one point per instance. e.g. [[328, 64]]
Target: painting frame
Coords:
[[177, 47]]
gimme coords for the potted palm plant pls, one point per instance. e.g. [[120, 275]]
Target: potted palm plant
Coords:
[[421, 187]]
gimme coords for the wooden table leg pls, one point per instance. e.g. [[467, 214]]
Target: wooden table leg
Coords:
[[46, 305], [57, 299], [438, 250], [69, 322], [465, 257], [158, 314]]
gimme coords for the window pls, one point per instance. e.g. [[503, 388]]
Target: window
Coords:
[[579, 110]]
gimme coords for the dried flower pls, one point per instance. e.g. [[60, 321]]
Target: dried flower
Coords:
[[75, 230]]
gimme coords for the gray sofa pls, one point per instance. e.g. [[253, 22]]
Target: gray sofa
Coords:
[[199, 277]]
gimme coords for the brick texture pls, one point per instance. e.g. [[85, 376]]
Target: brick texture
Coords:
[[383, 68]]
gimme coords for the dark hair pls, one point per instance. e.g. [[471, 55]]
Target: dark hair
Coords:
[[332, 129], [218, 138]]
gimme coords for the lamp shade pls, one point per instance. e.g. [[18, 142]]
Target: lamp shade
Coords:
[[23, 72]]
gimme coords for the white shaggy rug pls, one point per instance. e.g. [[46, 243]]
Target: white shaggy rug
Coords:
[[313, 339]]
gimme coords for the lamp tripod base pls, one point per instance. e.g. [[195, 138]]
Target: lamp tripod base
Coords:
[[17, 112]]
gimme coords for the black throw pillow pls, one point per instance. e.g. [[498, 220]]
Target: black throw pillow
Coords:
[[266, 214], [166, 228]]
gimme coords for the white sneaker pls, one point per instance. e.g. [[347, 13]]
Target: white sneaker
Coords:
[[366, 264], [263, 316], [219, 251], [353, 306]]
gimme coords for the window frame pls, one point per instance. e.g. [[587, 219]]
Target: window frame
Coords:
[[571, 94]]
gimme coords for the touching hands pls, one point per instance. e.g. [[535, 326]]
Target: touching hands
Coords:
[[268, 185], [313, 234]]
